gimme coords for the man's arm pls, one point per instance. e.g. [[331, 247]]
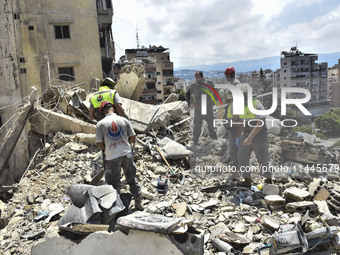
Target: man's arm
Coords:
[[120, 110], [91, 112], [132, 139], [101, 146]]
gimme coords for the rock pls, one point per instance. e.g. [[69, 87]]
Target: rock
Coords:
[[270, 189], [270, 223]]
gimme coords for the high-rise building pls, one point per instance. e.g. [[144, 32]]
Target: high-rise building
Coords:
[[159, 71], [300, 69]]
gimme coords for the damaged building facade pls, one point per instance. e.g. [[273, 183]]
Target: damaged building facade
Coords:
[[159, 71], [50, 42]]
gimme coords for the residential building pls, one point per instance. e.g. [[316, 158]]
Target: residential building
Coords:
[[300, 69], [334, 84], [46, 42], [159, 70]]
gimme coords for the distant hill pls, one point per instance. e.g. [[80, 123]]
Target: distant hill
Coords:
[[244, 66]]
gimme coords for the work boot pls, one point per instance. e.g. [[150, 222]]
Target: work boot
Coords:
[[138, 204]]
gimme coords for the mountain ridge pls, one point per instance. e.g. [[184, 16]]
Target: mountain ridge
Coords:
[[244, 66]]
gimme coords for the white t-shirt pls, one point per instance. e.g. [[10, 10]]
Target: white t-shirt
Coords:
[[114, 131]]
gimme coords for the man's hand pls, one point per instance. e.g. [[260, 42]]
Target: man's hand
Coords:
[[247, 141]]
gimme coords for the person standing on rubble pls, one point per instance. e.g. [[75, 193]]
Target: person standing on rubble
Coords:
[[105, 93], [194, 94], [232, 130], [114, 136], [252, 137]]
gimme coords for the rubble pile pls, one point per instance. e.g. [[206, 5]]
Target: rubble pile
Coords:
[[216, 214]]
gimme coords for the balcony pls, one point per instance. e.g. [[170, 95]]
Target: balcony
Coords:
[[149, 91], [105, 16]]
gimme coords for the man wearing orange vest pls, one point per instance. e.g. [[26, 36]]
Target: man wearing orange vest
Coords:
[[105, 93]]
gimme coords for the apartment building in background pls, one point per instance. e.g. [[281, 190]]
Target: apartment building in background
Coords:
[[300, 69], [334, 84], [159, 71]]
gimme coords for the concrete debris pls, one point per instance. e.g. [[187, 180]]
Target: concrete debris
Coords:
[[145, 117], [172, 98], [46, 121], [131, 81], [201, 213]]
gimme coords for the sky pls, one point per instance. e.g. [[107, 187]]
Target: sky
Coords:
[[216, 31]]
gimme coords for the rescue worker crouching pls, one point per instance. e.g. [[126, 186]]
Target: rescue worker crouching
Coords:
[[105, 93]]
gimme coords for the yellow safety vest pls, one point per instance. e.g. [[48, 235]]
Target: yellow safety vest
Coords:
[[104, 94], [247, 113]]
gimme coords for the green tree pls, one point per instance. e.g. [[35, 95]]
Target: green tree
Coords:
[[329, 122]]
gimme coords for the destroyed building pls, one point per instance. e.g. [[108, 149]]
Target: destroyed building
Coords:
[[50, 42]]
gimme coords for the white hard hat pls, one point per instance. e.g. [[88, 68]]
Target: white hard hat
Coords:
[[243, 87]]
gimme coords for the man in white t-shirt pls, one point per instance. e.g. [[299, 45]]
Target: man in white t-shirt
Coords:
[[114, 134]]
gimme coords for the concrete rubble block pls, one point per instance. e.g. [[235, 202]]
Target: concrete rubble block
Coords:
[[76, 147], [172, 98], [270, 223], [46, 121], [306, 157], [131, 81], [217, 229], [323, 194], [173, 149], [148, 222], [296, 194], [175, 109], [274, 125], [92, 204], [189, 243], [314, 186], [84, 229], [89, 139], [302, 207], [275, 202], [234, 238], [322, 207], [104, 243], [270, 189], [145, 117]]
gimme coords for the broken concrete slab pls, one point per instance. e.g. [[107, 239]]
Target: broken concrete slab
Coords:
[[131, 81], [147, 222], [173, 149], [172, 98], [270, 223], [296, 194], [188, 243], [104, 243], [145, 117], [175, 109], [302, 207], [46, 121]]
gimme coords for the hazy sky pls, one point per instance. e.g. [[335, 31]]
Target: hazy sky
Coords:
[[214, 31]]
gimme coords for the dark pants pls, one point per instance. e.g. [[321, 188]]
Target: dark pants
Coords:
[[198, 120], [113, 173], [260, 146], [233, 150]]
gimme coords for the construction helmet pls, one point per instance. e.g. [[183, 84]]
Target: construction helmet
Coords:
[[107, 81], [243, 87], [229, 71], [104, 105]]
